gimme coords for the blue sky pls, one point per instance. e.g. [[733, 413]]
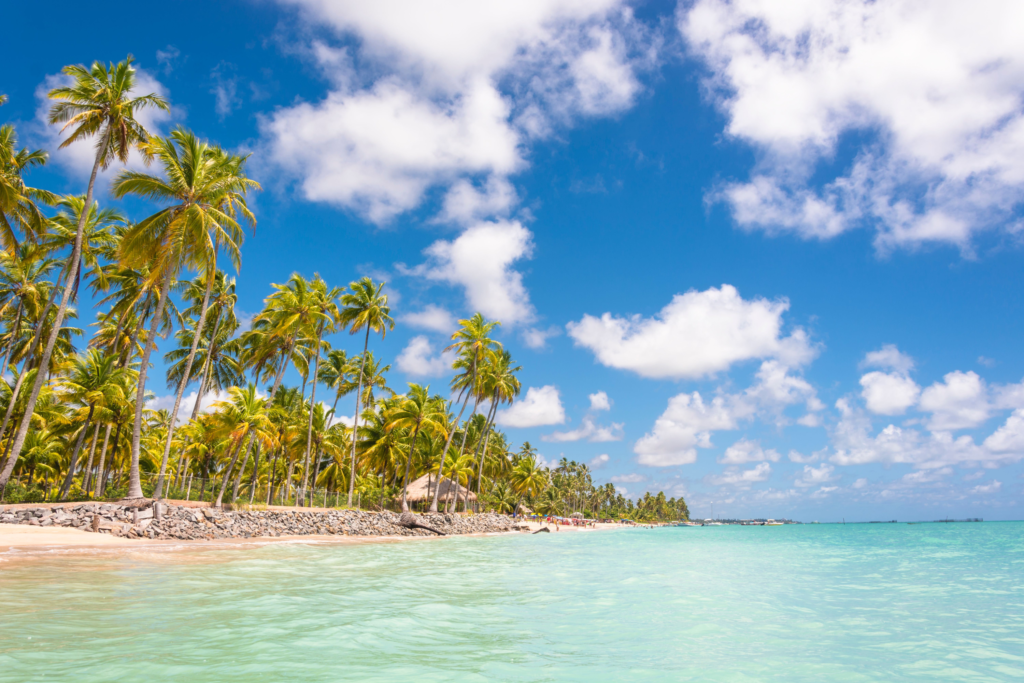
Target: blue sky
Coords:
[[765, 255]]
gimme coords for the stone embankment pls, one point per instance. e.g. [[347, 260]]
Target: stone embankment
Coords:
[[146, 519]]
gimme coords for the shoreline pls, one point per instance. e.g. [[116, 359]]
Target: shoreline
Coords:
[[25, 542]]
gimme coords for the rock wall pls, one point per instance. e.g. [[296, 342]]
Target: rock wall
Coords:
[[146, 519]]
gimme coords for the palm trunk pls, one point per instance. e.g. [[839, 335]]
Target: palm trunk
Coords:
[[66, 487], [241, 470], [228, 471], [14, 335], [288, 481], [210, 277], [134, 483], [408, 463], [312, 402], [447, 444], [487, 438], [23, 427], [92, 451], [355, 419], [253, 480], [103, 456], [271, 484]]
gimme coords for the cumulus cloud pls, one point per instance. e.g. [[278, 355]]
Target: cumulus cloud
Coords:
[[537, 338], [991, 487], [746, 451], [628, 478], [797, 456], [589, 430], [888, 393], [599, 461], [541, 406], [419, 359], [889, 357], [733, 476], [188, 403], [480, 261], [815, 476], [933, 89], [432, 318], [960, 401], [695, 335], [448, 94], [600, 401]]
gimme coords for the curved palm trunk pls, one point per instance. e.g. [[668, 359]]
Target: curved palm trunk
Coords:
[[312, 402], [241, 470], [134, 483], [103, 456], [158, 492], [408, 463], [92, 451], [14, 333], [26, 366], [66, 487], [487, 437], [465, 433], [444, 453], [228, 471], [355, 420]]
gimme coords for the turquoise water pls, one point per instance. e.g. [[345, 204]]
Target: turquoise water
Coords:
[[796, 603]]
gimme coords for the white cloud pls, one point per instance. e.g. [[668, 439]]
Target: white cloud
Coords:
[[590, 431], [541, 406], [418, 359], [225, 89], [686, 424], [815, 476], [889, 393], [600, 401], [733, 476], [1008, 438], [746, 451], [889, 357], [696, 334], [537, 338], [960, 401], [926, 476], [797, 456], [991, 487], [448, 94], [628, 478], [188, 403], [934, 87], [480, 260], [77, 159], [432, 318], [599, 461], [860, 483]]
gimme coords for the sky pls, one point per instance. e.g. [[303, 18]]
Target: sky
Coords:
[[763, 255]]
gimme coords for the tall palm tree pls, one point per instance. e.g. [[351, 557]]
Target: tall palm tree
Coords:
[[502, 386], [19, 208], [94, 380], [206, 188], [419, 411], [473, 342], [335, 373], [245, 419], [325, 318], [365, 307], [98, 103]]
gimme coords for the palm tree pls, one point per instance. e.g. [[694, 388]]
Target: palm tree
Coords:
[[502, 386], [94, 380], [364, 307], [207, 189], [18, 202], [245, 419], [325, 317], [335, 373], [98, 103], [528, 478], [419, 411], [473, 343]]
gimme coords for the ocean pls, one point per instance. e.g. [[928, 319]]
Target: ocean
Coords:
[[878, 602]]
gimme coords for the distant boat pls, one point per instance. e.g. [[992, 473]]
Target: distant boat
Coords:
[[772, 522]]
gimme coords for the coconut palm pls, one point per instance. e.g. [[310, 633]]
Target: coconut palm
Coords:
[[335, 373], [473, 342], [419, 411], [501, 385], [206, 188], [94, 380], [19, 208], [98, 103], [364, 307], [244, 417]]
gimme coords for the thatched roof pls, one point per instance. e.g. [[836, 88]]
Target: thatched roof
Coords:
[[418, 490]]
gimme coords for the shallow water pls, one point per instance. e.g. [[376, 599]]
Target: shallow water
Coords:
[[797, 603]]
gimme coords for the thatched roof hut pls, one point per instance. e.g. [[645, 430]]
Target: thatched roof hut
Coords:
[[420, 491]]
